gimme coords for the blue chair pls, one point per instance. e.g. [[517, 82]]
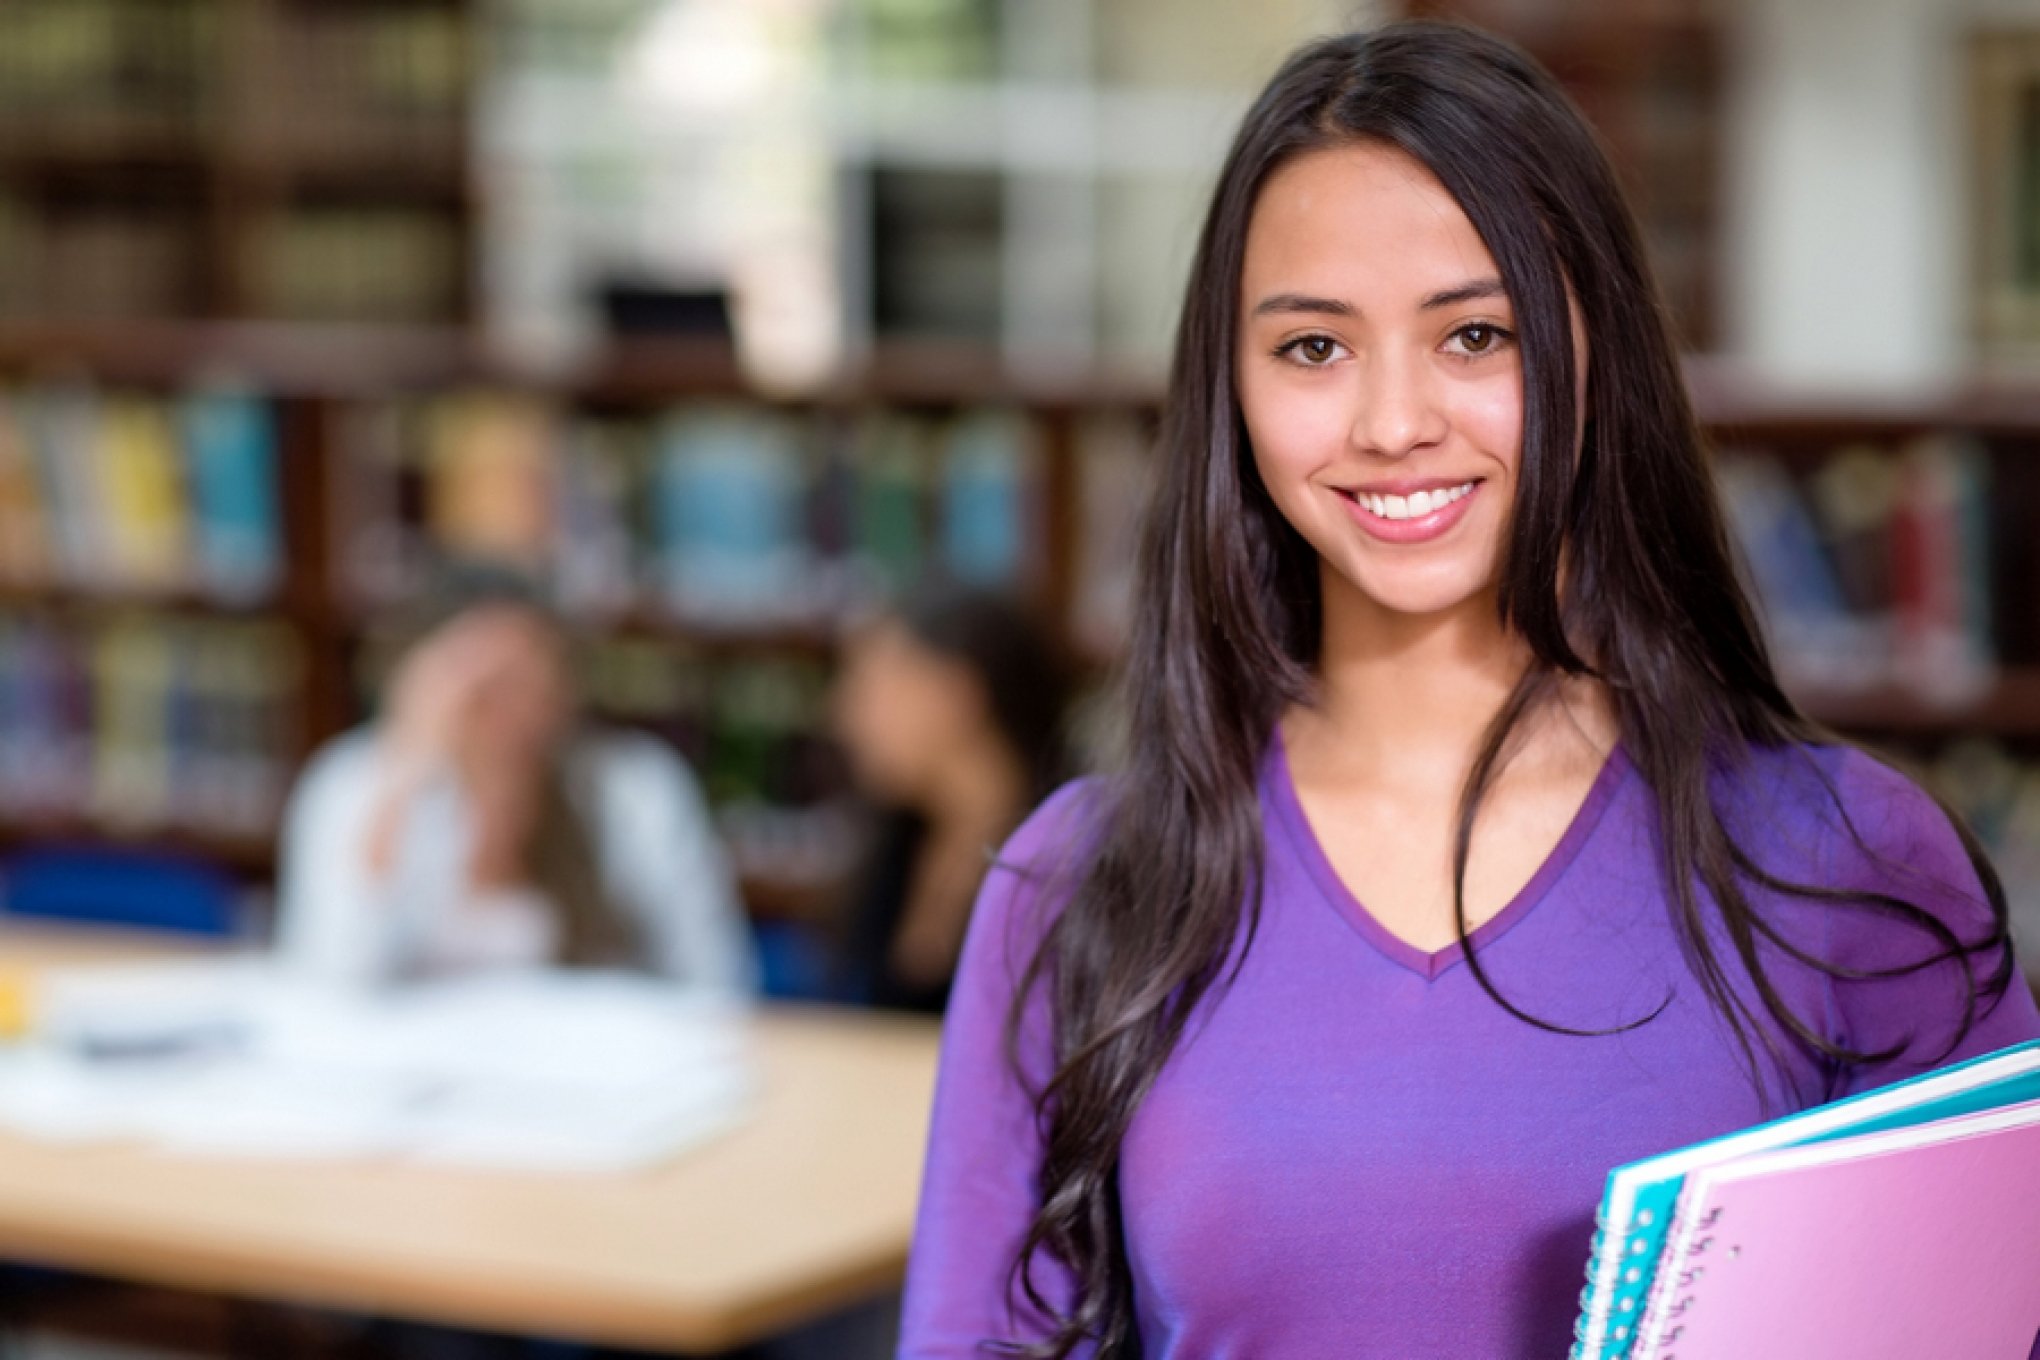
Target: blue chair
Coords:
[[99, 886]]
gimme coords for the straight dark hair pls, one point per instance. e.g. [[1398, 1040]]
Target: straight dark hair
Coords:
[[1227, 627]]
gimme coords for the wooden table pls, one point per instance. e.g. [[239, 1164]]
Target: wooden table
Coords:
[[805, 1209]]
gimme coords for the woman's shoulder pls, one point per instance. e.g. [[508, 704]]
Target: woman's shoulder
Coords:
[[1063, 824], [1030, 877], [1918, 962], [340, 764], [1837, 817], [626, 765], [1833, 794]]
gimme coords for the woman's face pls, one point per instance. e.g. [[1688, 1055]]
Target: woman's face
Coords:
[[521, 698], [1379, 377], [901, 709]]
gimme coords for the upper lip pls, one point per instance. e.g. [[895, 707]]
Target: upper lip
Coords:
[[1407, 486]]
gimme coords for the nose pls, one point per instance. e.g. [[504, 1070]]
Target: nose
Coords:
[[1396, 412]]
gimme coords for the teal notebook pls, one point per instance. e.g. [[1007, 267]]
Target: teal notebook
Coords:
[[1641, 1198]]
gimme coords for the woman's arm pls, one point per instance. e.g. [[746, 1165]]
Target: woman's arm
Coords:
[[343, 838], [941, 887], [980, 1186], [668, 868]]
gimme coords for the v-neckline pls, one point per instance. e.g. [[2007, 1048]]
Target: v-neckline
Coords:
[[1287, 807]]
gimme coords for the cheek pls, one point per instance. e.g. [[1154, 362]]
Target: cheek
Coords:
[[1490, 416], [1293, 436], [892, 718]]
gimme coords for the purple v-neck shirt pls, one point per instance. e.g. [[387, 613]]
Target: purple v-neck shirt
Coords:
[[1355, 1151]]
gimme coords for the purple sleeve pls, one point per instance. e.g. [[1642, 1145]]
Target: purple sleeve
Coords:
[[1911, 851], [979, 1189]]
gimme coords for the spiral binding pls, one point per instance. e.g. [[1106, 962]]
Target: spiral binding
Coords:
[[1673, 1299], [1618, 1318]]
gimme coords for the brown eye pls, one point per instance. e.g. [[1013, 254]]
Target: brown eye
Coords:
[[1477, 339], [1310, 351]]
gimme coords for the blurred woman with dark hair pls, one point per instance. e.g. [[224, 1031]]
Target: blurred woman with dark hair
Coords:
[[950, 708], [480, 823]]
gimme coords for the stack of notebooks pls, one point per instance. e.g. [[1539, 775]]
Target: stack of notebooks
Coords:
[[1902, 1223]]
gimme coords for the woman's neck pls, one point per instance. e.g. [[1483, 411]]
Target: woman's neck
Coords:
[[1415, 694]]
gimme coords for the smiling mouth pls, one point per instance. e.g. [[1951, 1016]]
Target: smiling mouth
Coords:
[[1413, 506]]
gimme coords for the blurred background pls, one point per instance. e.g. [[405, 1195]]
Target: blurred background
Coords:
[[729, 321]]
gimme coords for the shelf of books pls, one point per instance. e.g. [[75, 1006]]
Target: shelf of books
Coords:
[[202, 577]]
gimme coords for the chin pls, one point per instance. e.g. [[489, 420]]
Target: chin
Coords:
[[1421, 594]]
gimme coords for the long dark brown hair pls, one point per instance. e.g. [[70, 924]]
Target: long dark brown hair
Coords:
[[1227, 625]]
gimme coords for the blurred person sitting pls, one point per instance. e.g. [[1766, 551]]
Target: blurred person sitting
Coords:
[[950, 710], [481, 823]]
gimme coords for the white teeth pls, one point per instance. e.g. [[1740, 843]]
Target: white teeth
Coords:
[[1415, 506]]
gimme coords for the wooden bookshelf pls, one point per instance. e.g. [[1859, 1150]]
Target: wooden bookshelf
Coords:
[[238, 159], [2009, 708]]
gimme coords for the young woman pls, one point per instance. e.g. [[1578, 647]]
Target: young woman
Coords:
[[950, 707], [480, 824], [1466, 846]]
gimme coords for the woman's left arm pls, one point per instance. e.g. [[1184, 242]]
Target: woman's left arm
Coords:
[[669, 870]]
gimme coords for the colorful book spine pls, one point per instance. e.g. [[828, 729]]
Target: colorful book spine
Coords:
[[988, 473], [25, 551], [62, 423], [595, 554], [730, 518], [490, 461], [230, 449], [140, 487], [1940, 573], [889, 538]]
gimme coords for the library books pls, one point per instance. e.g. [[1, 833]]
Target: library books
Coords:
[[147, 722], [1874, 571], [724, 516], [132, 496]]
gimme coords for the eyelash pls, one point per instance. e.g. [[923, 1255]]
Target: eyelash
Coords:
[[1503, 336]]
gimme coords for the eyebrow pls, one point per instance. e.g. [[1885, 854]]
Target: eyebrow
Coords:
[[1474, 290], [1299, 302]]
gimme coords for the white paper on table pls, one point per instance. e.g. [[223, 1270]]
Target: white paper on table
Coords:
[[58, 1096], [538, 1071], [158, 1006]]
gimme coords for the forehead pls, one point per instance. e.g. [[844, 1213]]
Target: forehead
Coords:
[[1355, 222]]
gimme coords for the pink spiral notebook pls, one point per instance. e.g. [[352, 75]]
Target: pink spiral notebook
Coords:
[[1917, 1244]]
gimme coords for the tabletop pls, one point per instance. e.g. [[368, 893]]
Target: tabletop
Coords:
[[805, 1208]]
